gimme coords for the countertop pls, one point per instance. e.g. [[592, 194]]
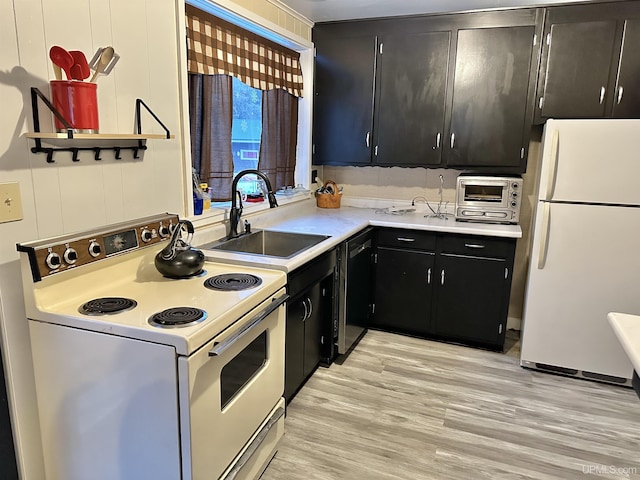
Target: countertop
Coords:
[[340, 224], [627, 329]]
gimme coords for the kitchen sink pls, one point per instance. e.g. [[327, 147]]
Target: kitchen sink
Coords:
[[269, 243]]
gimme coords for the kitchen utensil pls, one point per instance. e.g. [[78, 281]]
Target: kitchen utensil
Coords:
[[103, 62], [63, 59], [178, 259], [80, 69]]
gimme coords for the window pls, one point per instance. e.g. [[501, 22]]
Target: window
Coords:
[[246, 131], [244, 92]]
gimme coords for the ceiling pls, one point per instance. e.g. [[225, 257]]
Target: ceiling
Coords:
[[328, 10]]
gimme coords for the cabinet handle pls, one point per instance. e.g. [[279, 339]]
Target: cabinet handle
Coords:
[[310, 307], [306, 310], [405, 239], [453, 139], [540, 103], [474, 245], [442, 277], [620, 92], [366, 140], [437, 141], [602, 90], [506, 273], [428, 276]]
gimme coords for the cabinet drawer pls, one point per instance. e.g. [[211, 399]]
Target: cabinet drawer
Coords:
[[413, 239], [311, 272], [478, 246]]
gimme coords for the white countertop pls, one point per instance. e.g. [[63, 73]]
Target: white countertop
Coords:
[[627, 329], [340, 224]]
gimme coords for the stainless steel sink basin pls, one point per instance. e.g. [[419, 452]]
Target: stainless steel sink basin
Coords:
[[268, 243]]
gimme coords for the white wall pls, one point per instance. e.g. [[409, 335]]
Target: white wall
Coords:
[[64, 197]]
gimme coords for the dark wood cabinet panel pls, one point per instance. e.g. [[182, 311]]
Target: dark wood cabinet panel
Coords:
[[627, 93], [470, 299], [411, 98], [590, 62], [343, 107], [457, 290], [294, 347], [403, 290], [489, 124], [313, 329], [579, 59]]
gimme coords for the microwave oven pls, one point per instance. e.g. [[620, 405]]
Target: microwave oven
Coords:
[[488, 199]]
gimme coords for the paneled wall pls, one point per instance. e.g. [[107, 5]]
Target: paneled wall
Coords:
[[66, 196]]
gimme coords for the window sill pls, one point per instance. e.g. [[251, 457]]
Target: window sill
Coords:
[[219, 211]]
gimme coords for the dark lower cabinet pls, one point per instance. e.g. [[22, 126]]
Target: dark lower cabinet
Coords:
[[309, 321], [403, 290], [471, 301], [445, 286]]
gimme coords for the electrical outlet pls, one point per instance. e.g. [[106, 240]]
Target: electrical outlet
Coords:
[[10, 202]]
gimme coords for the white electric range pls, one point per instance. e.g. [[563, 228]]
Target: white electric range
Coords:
[[143, 376]]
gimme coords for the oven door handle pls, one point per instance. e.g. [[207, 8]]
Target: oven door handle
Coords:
[[219, 348]]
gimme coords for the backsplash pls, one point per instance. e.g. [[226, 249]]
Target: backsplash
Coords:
[[394, 183]]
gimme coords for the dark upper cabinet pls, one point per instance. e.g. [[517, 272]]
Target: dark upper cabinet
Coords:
[[411, 98], [343, 107], [627, 94], [590, 62], [449, 90], [489, 121]]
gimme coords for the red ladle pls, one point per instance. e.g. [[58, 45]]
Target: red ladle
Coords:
[[63, 59]]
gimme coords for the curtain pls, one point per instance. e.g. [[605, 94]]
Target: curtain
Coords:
[[279, 137], [218, 47], [211, 113]]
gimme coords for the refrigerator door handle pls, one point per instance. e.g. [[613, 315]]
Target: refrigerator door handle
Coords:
[[544, 236], [553, 165]]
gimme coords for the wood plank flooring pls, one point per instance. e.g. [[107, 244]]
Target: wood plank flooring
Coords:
[[405, 408]]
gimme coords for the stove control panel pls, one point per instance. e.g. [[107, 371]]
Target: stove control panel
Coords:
[[61, 254]]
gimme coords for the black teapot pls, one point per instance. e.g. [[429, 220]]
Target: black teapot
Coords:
[[178, 259]]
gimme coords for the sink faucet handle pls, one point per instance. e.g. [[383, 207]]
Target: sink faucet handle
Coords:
[[247, 226]]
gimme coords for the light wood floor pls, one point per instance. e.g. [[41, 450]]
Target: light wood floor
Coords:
[[411, 409]]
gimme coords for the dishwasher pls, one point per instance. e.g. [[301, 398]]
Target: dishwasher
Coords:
[[356, 293]]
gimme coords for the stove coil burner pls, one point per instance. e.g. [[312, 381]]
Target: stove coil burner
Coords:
[[107, 306], [178, 317], [232, 282]]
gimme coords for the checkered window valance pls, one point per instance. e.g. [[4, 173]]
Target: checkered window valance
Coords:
[[218, 47]]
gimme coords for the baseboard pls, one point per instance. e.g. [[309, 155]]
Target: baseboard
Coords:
[[514, 323]]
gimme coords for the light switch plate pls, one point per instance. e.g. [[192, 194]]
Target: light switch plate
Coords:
[[10, 202]]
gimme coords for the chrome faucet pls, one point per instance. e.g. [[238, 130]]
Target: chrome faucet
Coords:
[[236, 212]]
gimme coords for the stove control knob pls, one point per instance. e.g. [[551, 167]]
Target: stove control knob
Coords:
[[145, 235], [514, 204], [164, 231], [95, 249], [70, 256], [53, 260]]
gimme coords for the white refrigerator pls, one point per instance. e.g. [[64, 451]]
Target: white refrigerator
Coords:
[[585, 255]]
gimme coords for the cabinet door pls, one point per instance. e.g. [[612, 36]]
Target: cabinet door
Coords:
[[627, 94], [578, 63], [294, 346], [411, 98], [404, 281], [489, 121], [313, 328], [471, 299], [343, 107]]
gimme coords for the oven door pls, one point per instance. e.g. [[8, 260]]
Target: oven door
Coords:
[[229, 387], [489, 194]]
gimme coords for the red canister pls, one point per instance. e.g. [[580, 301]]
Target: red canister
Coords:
[[77, 102]]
